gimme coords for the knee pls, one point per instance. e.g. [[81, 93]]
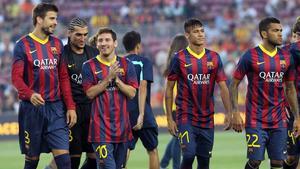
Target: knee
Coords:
[[276, 163], [153, 152], [254, 163], [35, 158]]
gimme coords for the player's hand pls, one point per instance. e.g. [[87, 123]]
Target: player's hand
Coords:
[[227, 121], [172, 127], [71, 118], [139, 123], [297, 127], [113, 70], [237, 122], [37, 100]]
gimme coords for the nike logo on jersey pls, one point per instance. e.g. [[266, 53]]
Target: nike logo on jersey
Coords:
[[259, 63], [97, 72], [31, 52], [187, 65], [70, 65]]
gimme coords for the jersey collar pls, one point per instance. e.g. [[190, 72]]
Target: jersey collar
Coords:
[[198, 56], [105, 62], [38, 39], [271, 54]]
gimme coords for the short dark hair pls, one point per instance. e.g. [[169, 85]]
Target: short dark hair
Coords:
[[296, 26], [41, 9], [107, 30], [191, 23], [131, 40], [264, 24]]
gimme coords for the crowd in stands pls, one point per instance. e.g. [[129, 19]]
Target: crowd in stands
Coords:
[[230, 26]]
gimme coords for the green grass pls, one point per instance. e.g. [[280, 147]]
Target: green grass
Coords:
[[229, 153]]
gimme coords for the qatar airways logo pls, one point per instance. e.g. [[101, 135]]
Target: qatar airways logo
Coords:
[[77, 78], [271, 77], [45, 63], [199, 79]]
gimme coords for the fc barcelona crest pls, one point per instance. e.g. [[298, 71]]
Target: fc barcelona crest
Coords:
[[54, 50], [282, 64], [210, 65]]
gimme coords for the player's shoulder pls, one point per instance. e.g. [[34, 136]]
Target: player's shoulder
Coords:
[[21, 39], [212, 53], [89, 61], [91, 49]]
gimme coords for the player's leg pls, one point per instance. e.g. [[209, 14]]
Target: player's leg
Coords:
[[277, 147], [90, 161], [131, 146], [31, 121], [176, 153], [120, 153], [105, 155], [256, 143], [149, 139], [58, 134], [204, 142], [168, 154], [188, 145]]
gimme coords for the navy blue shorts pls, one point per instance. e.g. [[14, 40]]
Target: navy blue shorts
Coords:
[[110, 155], [195, 141], [78, 135], [148, 137], [274, 140], [42, 128]]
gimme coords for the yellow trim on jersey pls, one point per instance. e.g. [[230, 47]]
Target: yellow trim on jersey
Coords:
[[38, 39], [271, 54], [198, 56], [105, 62]]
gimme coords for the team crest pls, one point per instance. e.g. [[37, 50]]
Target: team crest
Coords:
[[121, 71], [282, 64], [210, 65], [54, 50]]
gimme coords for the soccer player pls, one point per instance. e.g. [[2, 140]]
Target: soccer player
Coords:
[[140, 112], [195, 70], [172, 151], [41, 78], [268, 69], [293, 144], [75, 53], [109, 81]]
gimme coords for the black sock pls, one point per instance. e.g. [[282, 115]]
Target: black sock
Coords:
[[89, 163], [251, 166], [63, 161], [75, 162], [31, 164]]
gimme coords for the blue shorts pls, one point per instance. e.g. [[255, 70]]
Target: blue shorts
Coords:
[[42, 128], [148, 137], [78, 134], [195, 141], [110, 155], [274, 140]]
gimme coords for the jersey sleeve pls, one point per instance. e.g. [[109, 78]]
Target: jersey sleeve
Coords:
[[147, 71], [131, 75], [17, 73], [291, 71], [242, 67], [64, 81], [87, 77], [174, 68], [220, 72]]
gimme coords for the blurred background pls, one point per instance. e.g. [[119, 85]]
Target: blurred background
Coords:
[[230, 27]]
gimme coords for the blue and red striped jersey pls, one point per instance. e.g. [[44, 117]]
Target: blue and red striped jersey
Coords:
[[38, 67], [196, 76], [109, 117], [266, 73]]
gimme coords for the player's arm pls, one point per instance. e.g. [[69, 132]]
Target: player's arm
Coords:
[[65, 86], [236, 121], [142, 101], [169, 102], [95, 90], [226, 102], [291, 96], [126, 89]]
